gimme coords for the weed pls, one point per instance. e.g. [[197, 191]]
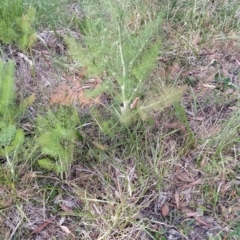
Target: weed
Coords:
[[57, 136], [11, 136], [121, 50], [181, 115], [16, 24], [51, 14]]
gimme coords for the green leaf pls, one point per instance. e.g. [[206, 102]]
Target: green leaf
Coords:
[[7, 93], [48, 164], [50, 144], [147, 61], [7, 133], [15, 144], [57, 136], [166, 98], [26, 103]]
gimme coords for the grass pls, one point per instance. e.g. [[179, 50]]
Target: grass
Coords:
[[51, 14], [170, 173]]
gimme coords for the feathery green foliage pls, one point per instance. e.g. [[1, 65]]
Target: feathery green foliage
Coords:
[[121, 49], [7, 93], [9, 111], [57, 137], [16, 24], [11, 137], [189, 138]]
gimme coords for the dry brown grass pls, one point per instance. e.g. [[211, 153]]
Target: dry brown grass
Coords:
[[72, 92]]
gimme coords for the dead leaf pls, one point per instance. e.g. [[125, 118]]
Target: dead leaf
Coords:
[[67, 231], [227, 236], [184, 177], [238, 62], [190, 213], [209, 86], [134, 103], [26, 58], [201, 220], [176, 125], [46, 52], [233, 108], [198, 181], [203, 161], [42, 226], [225, 212], [183, 204], [165, 210], [174, 70], [233, 193], [214, 130], [160, 201], [29, 176], [197, 118], [65, 208], [225, 188], [177, 198]]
